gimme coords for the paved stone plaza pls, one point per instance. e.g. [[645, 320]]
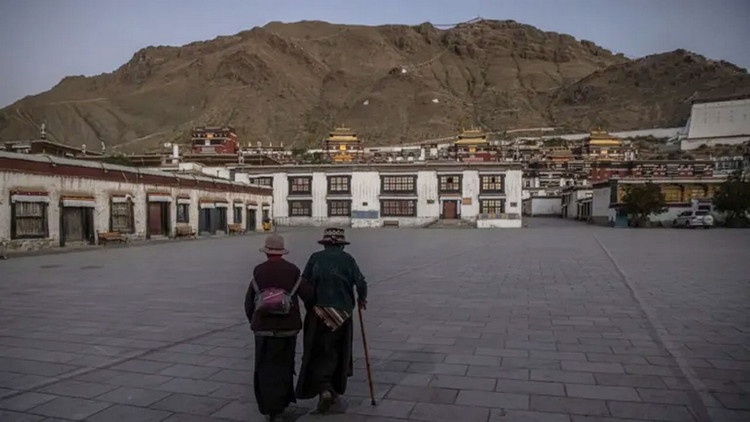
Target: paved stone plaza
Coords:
[[556, 322]]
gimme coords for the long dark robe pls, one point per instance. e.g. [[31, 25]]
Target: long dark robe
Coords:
[[274, 373], [327, 359]]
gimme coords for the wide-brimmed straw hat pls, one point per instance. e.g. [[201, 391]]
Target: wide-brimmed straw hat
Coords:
[[274, 245], [333, 236]]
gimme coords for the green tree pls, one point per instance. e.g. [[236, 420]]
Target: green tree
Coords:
[[640, 201], [733, 197]]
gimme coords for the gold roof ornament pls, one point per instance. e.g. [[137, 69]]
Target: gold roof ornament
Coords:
[[473, 136], [603, 138], [342, 134]]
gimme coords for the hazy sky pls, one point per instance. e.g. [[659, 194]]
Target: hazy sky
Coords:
[[41, 41]]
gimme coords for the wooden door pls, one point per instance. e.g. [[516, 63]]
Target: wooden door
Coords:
[[155, 218], [73, 224], [250, 226], [221, 220], [204, 220], [449, 210]]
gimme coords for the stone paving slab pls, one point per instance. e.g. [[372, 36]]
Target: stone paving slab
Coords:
[[556, 322]]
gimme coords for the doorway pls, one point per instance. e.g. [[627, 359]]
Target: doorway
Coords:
[[250, 223], [158, 218], [77, 225], [212, 220], [450, 210]]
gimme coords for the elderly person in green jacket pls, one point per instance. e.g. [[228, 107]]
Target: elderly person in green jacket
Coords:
[[328, 332]]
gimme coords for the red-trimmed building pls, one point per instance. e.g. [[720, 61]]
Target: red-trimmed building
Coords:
[[48, 201]]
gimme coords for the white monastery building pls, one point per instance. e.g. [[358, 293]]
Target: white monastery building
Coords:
[[48, 201], [377, 195], [719, 121]]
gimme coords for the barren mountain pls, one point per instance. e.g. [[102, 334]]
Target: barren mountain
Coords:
[[291, 83]]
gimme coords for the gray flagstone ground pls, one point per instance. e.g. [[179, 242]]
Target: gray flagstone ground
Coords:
[[556, 322]]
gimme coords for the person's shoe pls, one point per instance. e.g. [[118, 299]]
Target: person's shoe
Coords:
[[325, 401]]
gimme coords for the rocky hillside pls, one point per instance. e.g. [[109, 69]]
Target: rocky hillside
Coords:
[[291, 83]]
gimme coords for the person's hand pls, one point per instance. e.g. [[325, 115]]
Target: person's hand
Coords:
[[362, 305]]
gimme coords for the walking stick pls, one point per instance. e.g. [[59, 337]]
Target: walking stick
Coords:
[[367, 356]]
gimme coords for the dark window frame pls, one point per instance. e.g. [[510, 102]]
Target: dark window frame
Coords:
[[443, 184], [348, 182], [260, 181], [395, 180], [484, 186], [333, 211], [484, 207], [14, 222], [307, 209], [186, 214], [388, 211], [131, 208], [235, 214], [292, 180]]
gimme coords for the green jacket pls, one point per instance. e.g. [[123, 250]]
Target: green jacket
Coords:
[[334, 274]]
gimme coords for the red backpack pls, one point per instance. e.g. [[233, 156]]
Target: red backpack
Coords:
[[274, 300]]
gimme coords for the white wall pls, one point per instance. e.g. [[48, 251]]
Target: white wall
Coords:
[[720, 119], [572, 205], [513, 190], [102, 191], [515, 223], [470, 189], [366, 196], [600, 211], [543, 205], [690, 144]]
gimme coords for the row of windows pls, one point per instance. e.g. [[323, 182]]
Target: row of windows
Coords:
[[302, 185], [336, 208], [29, 219], [388, 207]]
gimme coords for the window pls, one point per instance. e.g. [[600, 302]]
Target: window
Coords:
[[339, 184], [29, 220], [263, 181], [122, 217], [237, 215], [183, 213], [300, 185], [398, 207], [300, 208], [492, 206], [339, 208], [672, 193], [492, 183], [399, 184], [450, 183]]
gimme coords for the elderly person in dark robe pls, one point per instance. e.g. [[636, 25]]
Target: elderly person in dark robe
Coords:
[[275, 329], [327, 358]]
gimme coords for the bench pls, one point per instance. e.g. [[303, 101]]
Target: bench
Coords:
[[107, 237], [236, 229], [390, 223], [184, 230]]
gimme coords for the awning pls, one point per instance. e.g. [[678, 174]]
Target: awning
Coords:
[[159, 198], [119, 199], [78, 202], [183, 201], [22, 197], [222, 205], [205, 205]]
